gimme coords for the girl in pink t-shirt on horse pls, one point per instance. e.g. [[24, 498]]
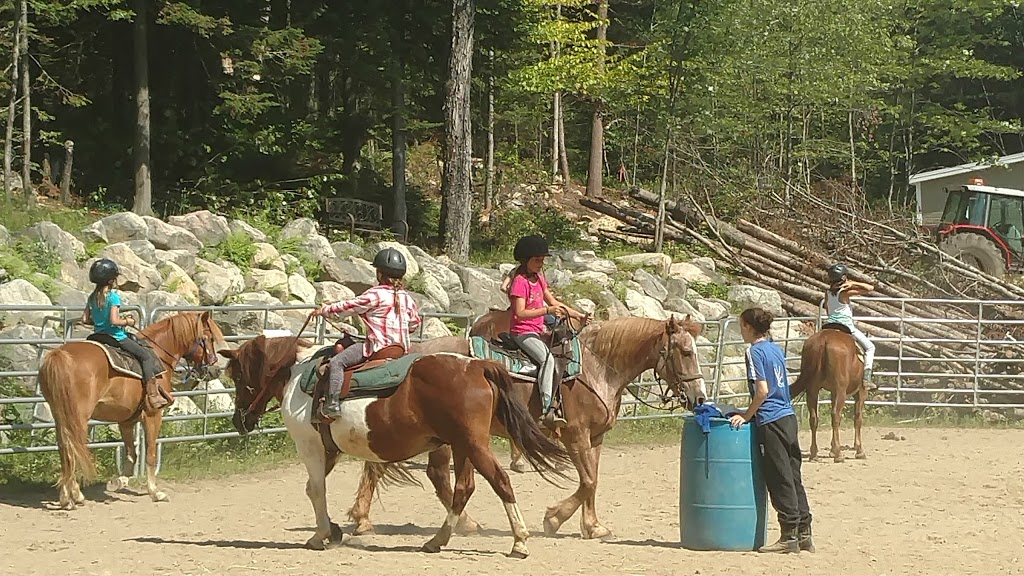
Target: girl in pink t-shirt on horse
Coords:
[[531, 301]]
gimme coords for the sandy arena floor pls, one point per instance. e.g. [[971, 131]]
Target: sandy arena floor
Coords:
[[939, 502]]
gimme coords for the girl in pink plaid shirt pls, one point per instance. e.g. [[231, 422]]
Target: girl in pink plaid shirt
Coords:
[[390, 315]]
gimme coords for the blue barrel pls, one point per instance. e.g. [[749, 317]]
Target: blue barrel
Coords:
[[723, 502]]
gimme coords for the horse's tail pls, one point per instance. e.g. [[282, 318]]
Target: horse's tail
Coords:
[[523, 430], [813, 362], [56, 375]]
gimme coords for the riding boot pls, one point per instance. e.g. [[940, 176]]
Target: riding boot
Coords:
[[154, 397], [868, 384], [788, 543], [551, 419], [804, 536]]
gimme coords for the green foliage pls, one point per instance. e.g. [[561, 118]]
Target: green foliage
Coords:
[[509, 226], [237, 249], [581, 289], [710, 289], [33, 261], [293, 247], [415, 283], [17, 217]]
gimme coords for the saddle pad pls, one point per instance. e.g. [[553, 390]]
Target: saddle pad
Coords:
[[373, 380], [518, 363], [121, 361]]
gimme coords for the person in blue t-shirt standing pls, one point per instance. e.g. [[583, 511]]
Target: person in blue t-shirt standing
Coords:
[[103, 311], [777, 431]]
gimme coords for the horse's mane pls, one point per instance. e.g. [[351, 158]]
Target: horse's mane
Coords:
[[617, 340], [266, 361], [183, 329]]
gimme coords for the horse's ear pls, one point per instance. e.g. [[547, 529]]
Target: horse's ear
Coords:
[[672, 327], [694, 328], [228, 353], [204, 317]]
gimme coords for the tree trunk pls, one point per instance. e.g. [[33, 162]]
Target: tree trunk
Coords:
[[659, 228], [456, 183], [489, 180], [595, 175], [26, 109], [65, 179], [555, 150], [563, 157], [12, 105], [143, 180], [401, 217]]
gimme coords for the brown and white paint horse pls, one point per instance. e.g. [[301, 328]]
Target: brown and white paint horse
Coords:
[[615, 353], [445, 399]]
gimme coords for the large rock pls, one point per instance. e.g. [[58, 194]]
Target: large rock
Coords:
[[73, 275], [747, 296], [345, 249], [711, 309], [612, 306], [183, 258], [168, 237], [211, 229], [690, 273], [137, 275], [660, 263], [585, 305], [22, 292], [120, 227], [432, 289], [216, 283], [65, 245], [274, 282], [257, 299], [645, 306], [5, 235], [412, 267], [676, 287], [145, 250], [160, 298], [461, 303], [177, 281], [218, 399], [246, 229], [300, 228], [267, 257], [579, 261], [70, 296], [306, 232], [482, 287], [301, 290], [650, 284], [560, 278], [444, 275], [353, 272], [24, 356], [434, 328], [328, 292], [599, 278]]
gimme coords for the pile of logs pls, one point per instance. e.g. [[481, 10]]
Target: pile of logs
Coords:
[[820, 233]]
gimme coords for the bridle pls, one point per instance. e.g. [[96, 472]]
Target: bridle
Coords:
[[265, 389], [679, 376], [194, 369]]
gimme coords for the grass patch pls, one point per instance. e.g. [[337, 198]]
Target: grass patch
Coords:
[[416, 283], [237, 249], [17, 217], [34, 261], [583, 289], [293, 248], [710, 290]]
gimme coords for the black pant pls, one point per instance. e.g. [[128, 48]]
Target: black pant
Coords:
[[145, 356], [780, 446]]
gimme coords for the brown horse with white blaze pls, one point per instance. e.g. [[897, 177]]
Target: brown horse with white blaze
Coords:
[[79, 383], [615, 353], [443, 399], [830, 360]]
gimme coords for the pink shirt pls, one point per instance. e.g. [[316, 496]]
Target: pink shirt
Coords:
[[385, 325], [533, 293]]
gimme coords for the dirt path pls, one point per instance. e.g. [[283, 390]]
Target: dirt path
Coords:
[[942, 501]]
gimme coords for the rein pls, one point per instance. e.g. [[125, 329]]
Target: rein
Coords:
[[193, 368]]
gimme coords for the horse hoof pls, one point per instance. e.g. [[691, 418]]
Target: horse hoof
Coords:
[[67, 506], [431, 547], [518, 466], [117, 484], [519, 551], [598, 533], [363, 527], [861, 456], [839, 459], [336, 534], [467, 527], [551, 526], [315, 543], [160, 497]]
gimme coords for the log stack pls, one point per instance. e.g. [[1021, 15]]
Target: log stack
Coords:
[[788, 249]]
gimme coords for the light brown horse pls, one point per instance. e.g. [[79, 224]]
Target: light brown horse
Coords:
[[444, 399], [831, 361], [78, 383], [615, 352]]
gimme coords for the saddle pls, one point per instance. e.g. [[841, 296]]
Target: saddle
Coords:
[[120, 360], [323, 370], [846, 330]]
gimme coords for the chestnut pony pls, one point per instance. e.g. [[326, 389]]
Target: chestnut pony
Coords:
[[615, 353], [443, 400], [78, 383]]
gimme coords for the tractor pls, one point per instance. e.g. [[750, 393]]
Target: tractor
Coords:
[[982, 225]]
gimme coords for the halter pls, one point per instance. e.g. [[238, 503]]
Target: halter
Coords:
[[262, 392]]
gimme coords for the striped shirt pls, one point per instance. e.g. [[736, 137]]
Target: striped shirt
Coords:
[[385, 325]]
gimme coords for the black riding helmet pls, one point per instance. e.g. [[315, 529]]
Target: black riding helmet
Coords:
[[530, 247], [390, 262], [837, 272], [103, 271]]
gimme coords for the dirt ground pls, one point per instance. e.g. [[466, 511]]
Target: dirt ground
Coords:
[[941, 501]]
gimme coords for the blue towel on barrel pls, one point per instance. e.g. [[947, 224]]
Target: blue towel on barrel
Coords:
[[708, 410]]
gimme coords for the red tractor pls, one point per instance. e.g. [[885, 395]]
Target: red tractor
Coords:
[[983, 226]]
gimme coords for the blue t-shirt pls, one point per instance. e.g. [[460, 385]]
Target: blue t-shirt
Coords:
[[766, 361], [101, 316]]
